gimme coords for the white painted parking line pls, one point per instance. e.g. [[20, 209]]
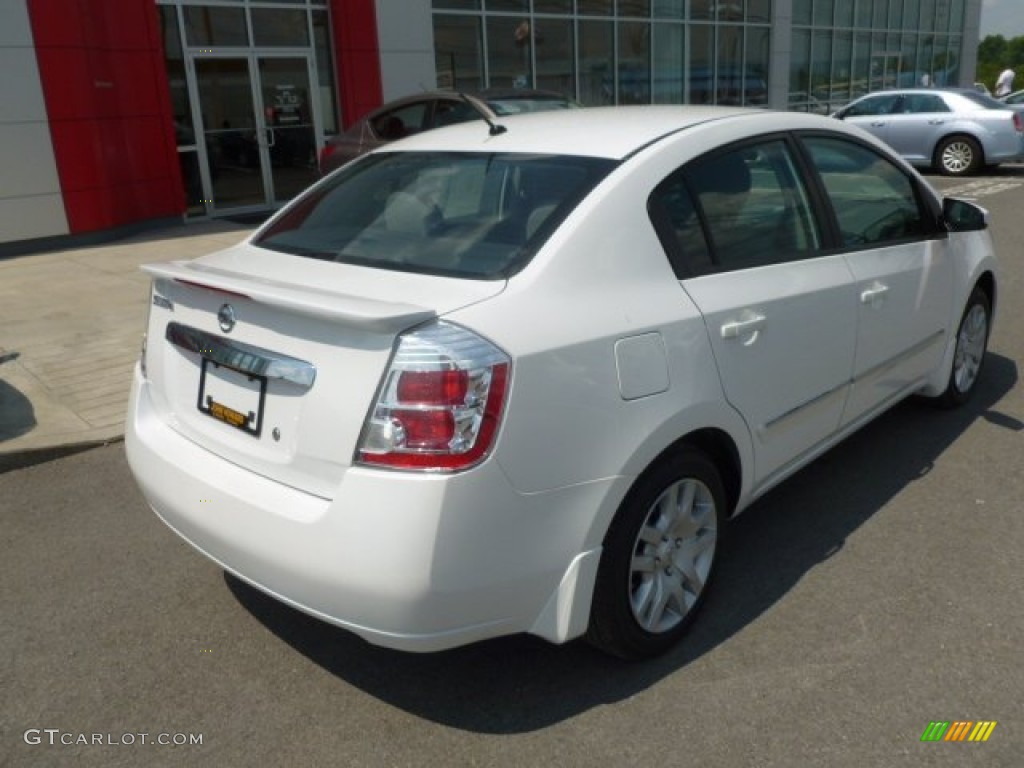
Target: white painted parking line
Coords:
[[981, 188]]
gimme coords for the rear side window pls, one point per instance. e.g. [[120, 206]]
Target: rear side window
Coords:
[[919, 103], [462, 214], [746, 207], [401, 122], [874, 201]]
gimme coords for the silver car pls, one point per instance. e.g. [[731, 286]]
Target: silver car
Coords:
[[956, 131]]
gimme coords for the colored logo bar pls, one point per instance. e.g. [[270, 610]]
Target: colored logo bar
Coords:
[[958, 730]]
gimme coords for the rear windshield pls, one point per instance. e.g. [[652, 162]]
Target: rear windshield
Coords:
[[983, 100], [451, 213]]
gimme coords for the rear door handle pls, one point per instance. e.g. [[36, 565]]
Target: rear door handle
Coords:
[[874, 293], [878, 124], [749, 322]]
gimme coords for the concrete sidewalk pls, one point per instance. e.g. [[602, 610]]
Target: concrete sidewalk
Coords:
[[71, 324]]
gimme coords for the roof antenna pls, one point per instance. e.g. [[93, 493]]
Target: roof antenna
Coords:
[[495, 129]]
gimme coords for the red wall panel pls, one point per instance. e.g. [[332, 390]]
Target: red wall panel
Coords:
[[357, 57], [102, 71]]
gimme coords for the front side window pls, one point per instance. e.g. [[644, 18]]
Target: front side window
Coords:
[[462, 214], [874, 201], [876, 105]]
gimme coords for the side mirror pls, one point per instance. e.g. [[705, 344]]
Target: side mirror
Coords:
[[961, 216]]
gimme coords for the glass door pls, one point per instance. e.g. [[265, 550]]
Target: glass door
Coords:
[[288, 124], [258, 128], [232, 139]]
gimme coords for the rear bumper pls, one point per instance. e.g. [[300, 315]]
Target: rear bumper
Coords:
[[410, 561]]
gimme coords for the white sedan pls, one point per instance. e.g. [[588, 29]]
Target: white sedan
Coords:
[[516, 378]]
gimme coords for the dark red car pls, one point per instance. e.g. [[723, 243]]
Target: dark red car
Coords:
[[433, 109]]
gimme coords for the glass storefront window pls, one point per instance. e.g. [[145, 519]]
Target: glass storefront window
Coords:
[[215, 26], [702, 9], [521, 6], [755, 82], [759, 11], [729, 74], [802, 12], [912, 12], [458, 52], [821, 66], [552, 6], [597, 78], [634, 63], [843, 14], [280, 27], [509, 52], [634, 8], [555, 56], [594, 7], [861, 67], [181, 107], [800, 68], [895, 14], [700, 85], [880, 16], [325, 72], [863, 20], [668, 64], [669, 9], [824, 11], [842, 51]]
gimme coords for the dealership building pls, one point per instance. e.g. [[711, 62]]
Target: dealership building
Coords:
[[120, 114]]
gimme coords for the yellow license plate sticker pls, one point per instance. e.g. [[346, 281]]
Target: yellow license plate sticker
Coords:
[[232, 397]]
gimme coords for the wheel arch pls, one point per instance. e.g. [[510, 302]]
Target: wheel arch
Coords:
[[720, 447], [987, 282]]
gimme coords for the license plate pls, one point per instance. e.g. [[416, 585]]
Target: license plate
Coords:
[[232, 397]]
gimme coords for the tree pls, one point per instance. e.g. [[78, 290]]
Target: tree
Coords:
[[996, 53]]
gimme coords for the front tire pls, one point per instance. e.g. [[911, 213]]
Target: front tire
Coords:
[[959, 156], [659, 557], [969, 353]]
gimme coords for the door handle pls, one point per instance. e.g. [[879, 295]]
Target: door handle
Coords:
[[878, 124], [874, 293], [936, 121], [749, 322]]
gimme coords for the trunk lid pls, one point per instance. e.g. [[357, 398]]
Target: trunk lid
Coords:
[[273, 361]]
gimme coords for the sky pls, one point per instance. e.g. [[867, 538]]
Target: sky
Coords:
[[1002, 17]]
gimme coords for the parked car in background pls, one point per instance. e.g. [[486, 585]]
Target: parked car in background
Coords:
[[956, 131], [1016, 98], [433, 109], [475, 384]]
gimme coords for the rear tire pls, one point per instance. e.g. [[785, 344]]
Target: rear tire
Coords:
[[659, 557], [958, 156], [969, 354]]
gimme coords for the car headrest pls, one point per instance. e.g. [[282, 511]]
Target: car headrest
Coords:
[[725, 175]]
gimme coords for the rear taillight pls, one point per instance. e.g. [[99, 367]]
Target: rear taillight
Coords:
[[440, 404], [1018, 123], [325, 152]]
